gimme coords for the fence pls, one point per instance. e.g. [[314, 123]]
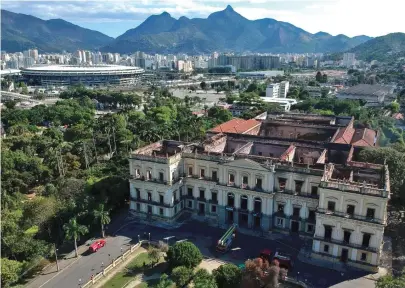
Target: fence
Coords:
[[114, 263]]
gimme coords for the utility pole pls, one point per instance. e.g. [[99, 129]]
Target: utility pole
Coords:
[[56, 258]]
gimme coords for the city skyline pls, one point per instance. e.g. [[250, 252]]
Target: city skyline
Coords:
[[113, 18]]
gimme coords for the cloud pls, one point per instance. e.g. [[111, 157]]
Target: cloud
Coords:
[[350, 17]]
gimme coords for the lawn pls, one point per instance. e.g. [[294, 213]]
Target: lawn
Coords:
[[135, 267]]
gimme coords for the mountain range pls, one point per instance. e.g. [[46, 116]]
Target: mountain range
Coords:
[[223, 31], [226, 30], [21, 32], [384, 48]]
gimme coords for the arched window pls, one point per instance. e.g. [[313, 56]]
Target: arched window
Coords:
[[244, 202], [231, 200], [258, 205]]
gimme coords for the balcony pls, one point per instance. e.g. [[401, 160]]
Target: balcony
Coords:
[[344, 243], [229, 208], [301, 194], [242, 210], [156, 203], [213, 201], [351, 216], [202, 199], [190, 197], [311, 220], [154, 180], [257, 213], [280, 214], [295, 217], [353, 187]]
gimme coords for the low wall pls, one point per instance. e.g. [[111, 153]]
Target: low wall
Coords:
[[114, 263]]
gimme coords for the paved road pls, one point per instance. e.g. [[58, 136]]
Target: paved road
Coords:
[[205, 237]]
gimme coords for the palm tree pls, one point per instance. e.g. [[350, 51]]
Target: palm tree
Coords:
[[73, 230], [103, 216]]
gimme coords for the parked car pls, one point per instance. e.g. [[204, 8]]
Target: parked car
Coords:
[[97, 245], [285, 260]]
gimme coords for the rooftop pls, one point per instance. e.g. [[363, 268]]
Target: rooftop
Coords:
[[80, 68], [236, 125], [367, 89]]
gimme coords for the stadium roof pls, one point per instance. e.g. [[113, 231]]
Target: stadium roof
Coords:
[[81, 68]]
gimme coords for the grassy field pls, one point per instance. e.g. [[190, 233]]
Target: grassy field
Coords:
[[134, 268]]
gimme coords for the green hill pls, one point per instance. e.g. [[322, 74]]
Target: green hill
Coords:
[[384, 48], [20, 32]]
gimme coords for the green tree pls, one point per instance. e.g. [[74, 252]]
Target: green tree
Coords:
[[324, 78], [396, 165], [394, 107], [181, 275], [73, 230], [154, 255], [164, 282], [228, 276], [203, 85], [390, 281], [203, 279], [10, 271], [184, 254], [318, 77], [103, 216], [222, 115]]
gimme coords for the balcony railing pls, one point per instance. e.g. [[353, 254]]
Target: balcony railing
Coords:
[[354, 188], [213, 201], [156, 180], [351, 216], [345, 243], [301, 194], [156, 203], [202, 199]]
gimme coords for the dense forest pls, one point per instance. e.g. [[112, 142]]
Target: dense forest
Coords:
[[61, 162]]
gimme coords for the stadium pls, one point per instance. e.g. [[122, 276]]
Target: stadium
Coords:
[[63, 75]]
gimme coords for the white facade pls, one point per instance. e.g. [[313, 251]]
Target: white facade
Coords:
[[349, 59], [273, 90], [284, 88], [345, 218]]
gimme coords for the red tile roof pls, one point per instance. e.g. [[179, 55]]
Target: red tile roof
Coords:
[[344, 135], [287, 153], [236, 125], [364, 137], [398, 116]]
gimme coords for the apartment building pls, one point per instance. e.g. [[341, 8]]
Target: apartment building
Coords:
[[290, 173], [273, 90]]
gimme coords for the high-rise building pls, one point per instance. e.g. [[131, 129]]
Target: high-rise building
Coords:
[[349, 59]]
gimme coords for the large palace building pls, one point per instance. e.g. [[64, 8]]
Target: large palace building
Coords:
[[291, 173], [90, 75]]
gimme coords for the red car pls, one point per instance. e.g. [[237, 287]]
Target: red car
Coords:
[[284, 260], [97, 245]]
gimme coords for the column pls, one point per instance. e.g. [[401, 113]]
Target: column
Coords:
[[235, 216], [354, 255], [250, 220], [335, 250]]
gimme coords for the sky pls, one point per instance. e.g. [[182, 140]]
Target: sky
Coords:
[[114, 17]]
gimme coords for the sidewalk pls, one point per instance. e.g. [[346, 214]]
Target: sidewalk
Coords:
[[119, 267], [50, 272]]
